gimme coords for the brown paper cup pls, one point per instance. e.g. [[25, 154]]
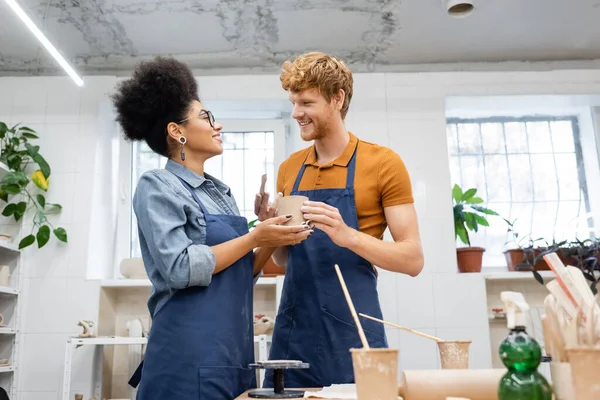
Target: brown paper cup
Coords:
[[585, 372], [375, 373], [454, 354], [562, 381], [291, 205]]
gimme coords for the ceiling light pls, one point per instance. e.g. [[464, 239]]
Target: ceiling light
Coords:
[[42, 38], [459, 8]]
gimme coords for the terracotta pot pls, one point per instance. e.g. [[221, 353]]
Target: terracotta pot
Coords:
[[469, 258], [514, 257], [271, 269]]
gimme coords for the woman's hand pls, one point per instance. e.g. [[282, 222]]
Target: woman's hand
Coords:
[[270, 233]]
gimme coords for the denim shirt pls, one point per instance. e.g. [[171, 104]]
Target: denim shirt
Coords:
[[170, 222]]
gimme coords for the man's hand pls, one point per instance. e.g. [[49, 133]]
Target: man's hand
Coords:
[[262, 208], [328, 219]]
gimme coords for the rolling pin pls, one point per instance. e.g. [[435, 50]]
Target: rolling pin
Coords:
[[474, 384]]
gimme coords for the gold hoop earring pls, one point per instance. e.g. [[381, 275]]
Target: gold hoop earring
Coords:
[[182, 141]]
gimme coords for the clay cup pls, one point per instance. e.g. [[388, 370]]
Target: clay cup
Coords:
[[287, 205]]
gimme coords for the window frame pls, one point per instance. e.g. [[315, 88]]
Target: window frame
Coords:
[[123, 235], [573, 118]]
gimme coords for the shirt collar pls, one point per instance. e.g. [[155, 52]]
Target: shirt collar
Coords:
[[342, 160], [193, 179]]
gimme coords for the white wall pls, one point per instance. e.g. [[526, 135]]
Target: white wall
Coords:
[[403, 111]]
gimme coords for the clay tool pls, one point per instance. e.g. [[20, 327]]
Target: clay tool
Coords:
[[564, 280], [361, 333], [402, 328], [262, 184]]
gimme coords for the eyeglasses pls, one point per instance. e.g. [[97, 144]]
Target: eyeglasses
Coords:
[[204, 114]]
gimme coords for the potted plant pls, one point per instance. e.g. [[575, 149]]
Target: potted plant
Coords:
[[270, 268], [26, 165], [469, 215]]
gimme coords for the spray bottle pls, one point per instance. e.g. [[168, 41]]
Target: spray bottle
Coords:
[[521, 354]]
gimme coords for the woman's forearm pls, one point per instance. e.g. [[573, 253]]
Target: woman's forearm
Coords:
[[229, 252], [261, 256]]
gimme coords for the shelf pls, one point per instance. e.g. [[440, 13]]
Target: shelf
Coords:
[[7, 368], [8, 290], [107, 340], [264, 281], [7, 331], [516, 275], [131, 283], [4, 245]]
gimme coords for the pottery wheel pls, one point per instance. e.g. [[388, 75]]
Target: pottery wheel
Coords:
[[278, 391]]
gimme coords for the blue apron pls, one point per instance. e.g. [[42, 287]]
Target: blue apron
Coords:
[[202, 340], [314, 323]]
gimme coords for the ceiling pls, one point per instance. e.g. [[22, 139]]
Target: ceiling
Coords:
[[108, 36]]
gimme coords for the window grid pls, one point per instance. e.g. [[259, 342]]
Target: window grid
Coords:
[[454, 138]]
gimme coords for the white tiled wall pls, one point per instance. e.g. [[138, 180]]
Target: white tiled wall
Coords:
[[403, 111]]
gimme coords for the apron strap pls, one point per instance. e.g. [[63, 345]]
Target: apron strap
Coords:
[[351, 169], [349, 174], [191, 190]]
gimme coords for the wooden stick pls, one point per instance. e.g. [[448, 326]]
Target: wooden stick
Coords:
[[263, 182], [402, 328], [361, 333]]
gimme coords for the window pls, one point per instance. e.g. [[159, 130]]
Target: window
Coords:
[[250, 149], [526, 169]]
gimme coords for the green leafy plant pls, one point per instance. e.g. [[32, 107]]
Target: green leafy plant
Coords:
[[469, 215], [26, 165]]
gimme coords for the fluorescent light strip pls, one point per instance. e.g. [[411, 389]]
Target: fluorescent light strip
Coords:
[[42, 38]]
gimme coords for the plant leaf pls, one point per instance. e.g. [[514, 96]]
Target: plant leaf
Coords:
[[26, 241], [461, 232], [41, 200], [9, 209], [12, 189], [3, 195], [484, 210], [481, 220], [468, 194], [471, 224], [475, 200], [44, 167], [43, 235], [538, 277], [457, 193], [40, 180], [61, 234], [53, 209]]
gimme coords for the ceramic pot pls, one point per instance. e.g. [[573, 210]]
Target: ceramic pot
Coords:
[[291, 205], [469, 259], [375, 373], [271, 269], [133, 268]]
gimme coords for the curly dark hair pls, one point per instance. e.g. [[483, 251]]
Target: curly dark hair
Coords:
[[160, 91]]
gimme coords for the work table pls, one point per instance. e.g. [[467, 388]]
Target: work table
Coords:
[[245, 395]]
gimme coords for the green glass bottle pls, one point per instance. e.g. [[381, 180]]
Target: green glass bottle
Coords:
[[521, 354]]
